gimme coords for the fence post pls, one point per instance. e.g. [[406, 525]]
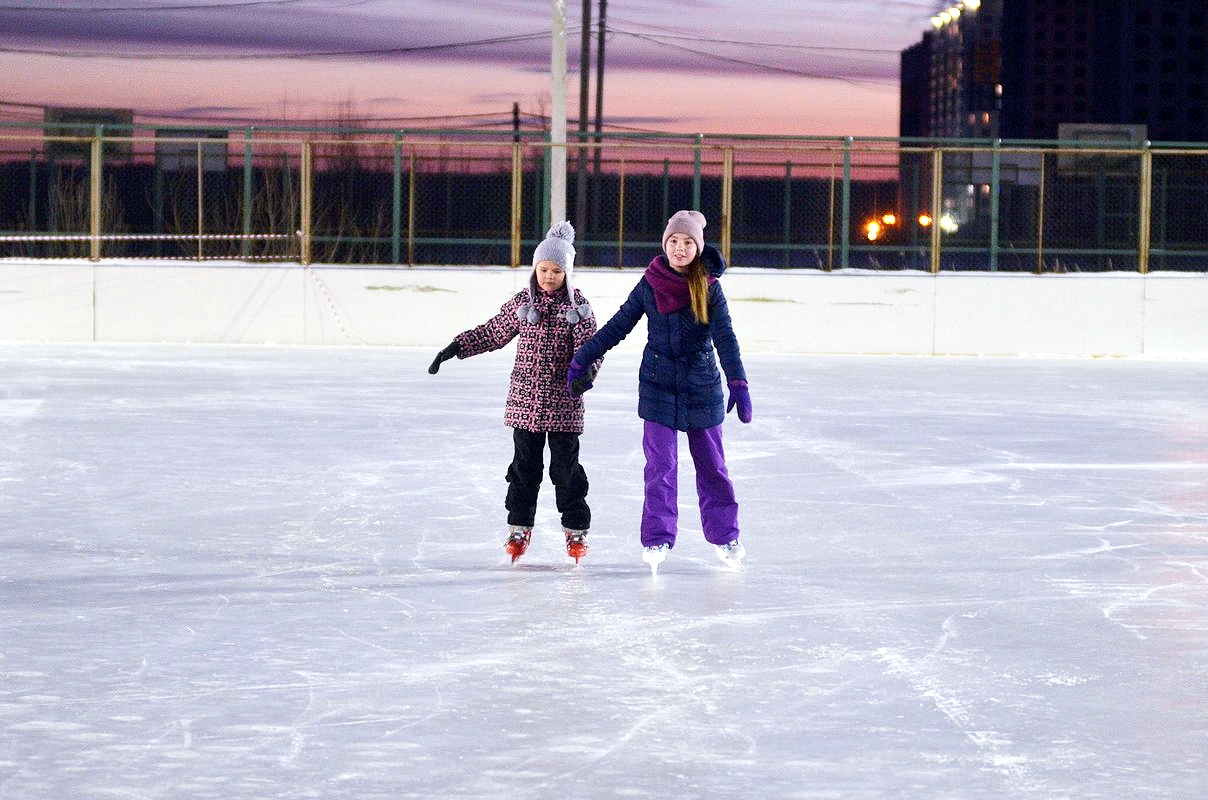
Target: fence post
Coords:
[[696, 167], [1145, 209], [201, 202], [830, 218], [666, 188], [788, 212], [547, 182], [995, 181], [249, 175], [307, 195], [411, 179], [727, 200], [845, 208], [937, 204], [517, 196], [621, 210], [396, 201], [96, 159], [1040, 219], [31, 213]]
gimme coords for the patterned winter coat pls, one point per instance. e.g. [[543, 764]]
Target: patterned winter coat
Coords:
[[537, 397], [679, 385]]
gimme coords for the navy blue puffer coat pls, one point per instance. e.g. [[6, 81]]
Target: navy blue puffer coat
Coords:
[[679, 385]]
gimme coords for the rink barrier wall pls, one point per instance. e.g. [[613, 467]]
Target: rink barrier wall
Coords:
[[803, 311]]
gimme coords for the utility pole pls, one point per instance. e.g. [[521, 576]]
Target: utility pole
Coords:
[[599, 120], [557, 178], [584, 92]]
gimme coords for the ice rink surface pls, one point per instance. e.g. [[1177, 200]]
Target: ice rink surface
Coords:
[[278, 572]]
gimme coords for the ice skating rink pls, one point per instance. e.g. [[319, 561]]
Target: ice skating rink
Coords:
[[278, 572]]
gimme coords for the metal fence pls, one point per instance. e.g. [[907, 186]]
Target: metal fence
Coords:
[[402, 198]]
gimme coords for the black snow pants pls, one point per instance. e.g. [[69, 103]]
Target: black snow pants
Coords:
[[565, 471]]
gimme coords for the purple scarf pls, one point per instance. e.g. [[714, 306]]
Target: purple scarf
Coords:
[[671, 291]]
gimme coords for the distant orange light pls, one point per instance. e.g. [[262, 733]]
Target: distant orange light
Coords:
[[872, 229], [890, 218], [925, 220]]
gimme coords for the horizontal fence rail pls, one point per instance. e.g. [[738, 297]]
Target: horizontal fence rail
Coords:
[[350, 196]]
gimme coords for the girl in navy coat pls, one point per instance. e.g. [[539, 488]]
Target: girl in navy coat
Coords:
[[679, 385], [549, 320]]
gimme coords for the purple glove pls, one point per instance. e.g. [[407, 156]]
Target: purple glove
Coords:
[[741, 397], [578, 378]]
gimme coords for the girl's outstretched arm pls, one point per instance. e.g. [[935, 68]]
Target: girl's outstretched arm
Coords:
[[493, 334], [444, 355]]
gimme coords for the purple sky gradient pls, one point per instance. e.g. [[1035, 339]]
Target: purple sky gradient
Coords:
[[718, 66]]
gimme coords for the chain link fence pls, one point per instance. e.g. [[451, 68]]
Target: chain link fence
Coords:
[[348, 196]]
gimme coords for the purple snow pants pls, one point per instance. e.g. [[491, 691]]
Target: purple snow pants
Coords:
[[660, 510]]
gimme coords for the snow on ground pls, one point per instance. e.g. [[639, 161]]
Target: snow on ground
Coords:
[[277, 572]]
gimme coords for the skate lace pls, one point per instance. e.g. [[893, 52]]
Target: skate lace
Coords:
[[658, 551], [733, 550]]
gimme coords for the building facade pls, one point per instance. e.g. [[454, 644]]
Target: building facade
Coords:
[[1020, 69], [951, 80]]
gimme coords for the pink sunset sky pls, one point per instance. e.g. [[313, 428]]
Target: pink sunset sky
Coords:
[[809, 67]]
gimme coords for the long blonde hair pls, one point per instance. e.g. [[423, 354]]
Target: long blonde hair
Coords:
[[698, 290]]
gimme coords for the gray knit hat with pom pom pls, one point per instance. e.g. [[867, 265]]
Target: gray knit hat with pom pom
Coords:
[[556, 247]]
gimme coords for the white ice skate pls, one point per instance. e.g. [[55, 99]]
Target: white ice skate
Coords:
[[655, 556], [732, 554]]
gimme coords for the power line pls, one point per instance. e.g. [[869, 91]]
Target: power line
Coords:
[[21, 110], [316, 54], [660, 40], [144, 9], [667, 37]]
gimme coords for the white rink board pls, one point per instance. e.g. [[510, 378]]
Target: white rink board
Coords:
[[846, 312]]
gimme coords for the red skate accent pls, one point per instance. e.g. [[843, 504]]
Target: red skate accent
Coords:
[[518, 542], [576, 544]]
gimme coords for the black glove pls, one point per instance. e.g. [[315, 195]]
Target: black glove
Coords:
[[444, 355]]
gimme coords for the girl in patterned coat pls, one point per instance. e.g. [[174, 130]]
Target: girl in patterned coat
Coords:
[[550, 320]]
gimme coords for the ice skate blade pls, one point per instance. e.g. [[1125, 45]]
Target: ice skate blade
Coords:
[[732, 558], [733, 565], [655, 556]]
